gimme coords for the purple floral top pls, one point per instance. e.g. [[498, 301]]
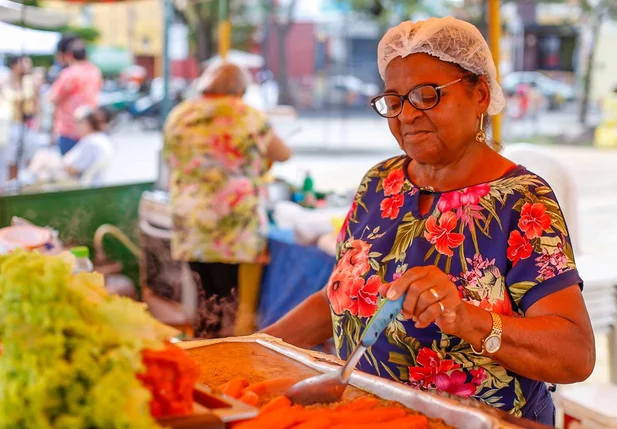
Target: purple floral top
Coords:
[[504, 244]]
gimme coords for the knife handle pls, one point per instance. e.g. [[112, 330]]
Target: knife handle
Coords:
[[385, 314]]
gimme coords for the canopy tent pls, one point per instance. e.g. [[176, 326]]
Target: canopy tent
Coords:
[[17, 13], [110, 60], [16, 40]]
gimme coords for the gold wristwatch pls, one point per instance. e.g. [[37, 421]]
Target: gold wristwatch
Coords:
[[492, 343]]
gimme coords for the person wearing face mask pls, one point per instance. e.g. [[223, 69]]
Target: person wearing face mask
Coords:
[[475, 244]]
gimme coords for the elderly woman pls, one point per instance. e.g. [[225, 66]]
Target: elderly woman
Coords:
[[477, 244], [218, 149]]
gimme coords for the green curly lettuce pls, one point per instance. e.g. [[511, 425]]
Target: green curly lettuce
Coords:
[[71, 352]]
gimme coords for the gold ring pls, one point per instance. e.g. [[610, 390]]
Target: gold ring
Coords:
[[441, 306], [435, 294]]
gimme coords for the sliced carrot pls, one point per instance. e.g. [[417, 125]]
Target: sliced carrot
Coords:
[[250, 398], [362, 403], [280, 419], [316, 423], [377, 415], [278, 403], [274, 387], [234, 387], [408, 422]]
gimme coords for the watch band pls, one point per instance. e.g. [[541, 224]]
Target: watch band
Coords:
[[496, 330]]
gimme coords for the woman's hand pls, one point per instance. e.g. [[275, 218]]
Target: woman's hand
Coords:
[[430, 297]]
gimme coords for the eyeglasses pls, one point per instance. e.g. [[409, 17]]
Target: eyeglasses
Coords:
[[423, 97]]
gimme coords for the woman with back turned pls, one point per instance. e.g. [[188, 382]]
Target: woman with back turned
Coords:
[[218, 150]]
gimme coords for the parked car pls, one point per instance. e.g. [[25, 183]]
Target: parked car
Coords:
[[555, 91], [349, 90]]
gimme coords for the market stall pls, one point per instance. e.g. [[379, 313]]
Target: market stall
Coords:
[[98, 360]]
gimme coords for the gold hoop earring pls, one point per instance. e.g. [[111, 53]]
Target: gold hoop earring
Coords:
[[481, 136]]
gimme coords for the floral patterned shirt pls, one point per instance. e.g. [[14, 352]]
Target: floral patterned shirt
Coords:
[[215, 149], [504, 244]]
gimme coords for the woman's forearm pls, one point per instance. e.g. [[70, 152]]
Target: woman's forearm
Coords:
[[549, 348], [307, 325]]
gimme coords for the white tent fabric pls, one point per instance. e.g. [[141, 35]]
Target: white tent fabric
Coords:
[[16, 40], [14, 12]]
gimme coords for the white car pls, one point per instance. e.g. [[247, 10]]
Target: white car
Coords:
[[555, 91]]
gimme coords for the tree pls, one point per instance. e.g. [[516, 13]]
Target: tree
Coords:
[[280, 18], [596, 13], [385, 11], [202, 18]]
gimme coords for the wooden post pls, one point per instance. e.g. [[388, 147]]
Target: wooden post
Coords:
[[494, 39], [224, 29]]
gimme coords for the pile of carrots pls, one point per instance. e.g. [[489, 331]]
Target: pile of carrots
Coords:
[[277, 411]]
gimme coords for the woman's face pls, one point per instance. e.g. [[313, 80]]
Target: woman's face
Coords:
[[442, 133]]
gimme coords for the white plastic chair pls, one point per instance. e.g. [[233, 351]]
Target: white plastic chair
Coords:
[[597, 271]]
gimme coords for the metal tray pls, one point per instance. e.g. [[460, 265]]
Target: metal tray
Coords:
[[450, 411], [222, 408]]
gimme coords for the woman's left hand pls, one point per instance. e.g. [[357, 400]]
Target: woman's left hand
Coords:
[[430, 297]]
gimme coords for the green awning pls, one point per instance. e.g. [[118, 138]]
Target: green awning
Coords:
[[110, 60]]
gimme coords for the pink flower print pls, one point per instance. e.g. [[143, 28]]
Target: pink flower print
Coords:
[[429, 366], [454, 384], [449, 201], [223, 121], [192, 165], [462, 198], [479, 376], [473, 194]]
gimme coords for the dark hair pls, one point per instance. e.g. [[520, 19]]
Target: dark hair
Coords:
[[77, 49], [13, 60], [63, 44], [97, 119], [104, 115]]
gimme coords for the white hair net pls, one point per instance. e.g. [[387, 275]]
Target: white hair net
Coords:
[[448, 39]]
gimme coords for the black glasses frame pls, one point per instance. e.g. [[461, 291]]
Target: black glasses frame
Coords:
[[407, 97]]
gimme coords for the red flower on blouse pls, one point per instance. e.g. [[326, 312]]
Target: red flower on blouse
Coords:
[[390, 207], [429, 366], [340, 288], [518, 247], [356, 260], [393, 183], [365, 297], [534, 220], [441, 234]]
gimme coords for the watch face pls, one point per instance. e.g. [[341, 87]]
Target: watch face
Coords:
[[492, 344]]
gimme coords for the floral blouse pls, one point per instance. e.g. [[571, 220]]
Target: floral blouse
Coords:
[[215, 149], [504, 244]]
